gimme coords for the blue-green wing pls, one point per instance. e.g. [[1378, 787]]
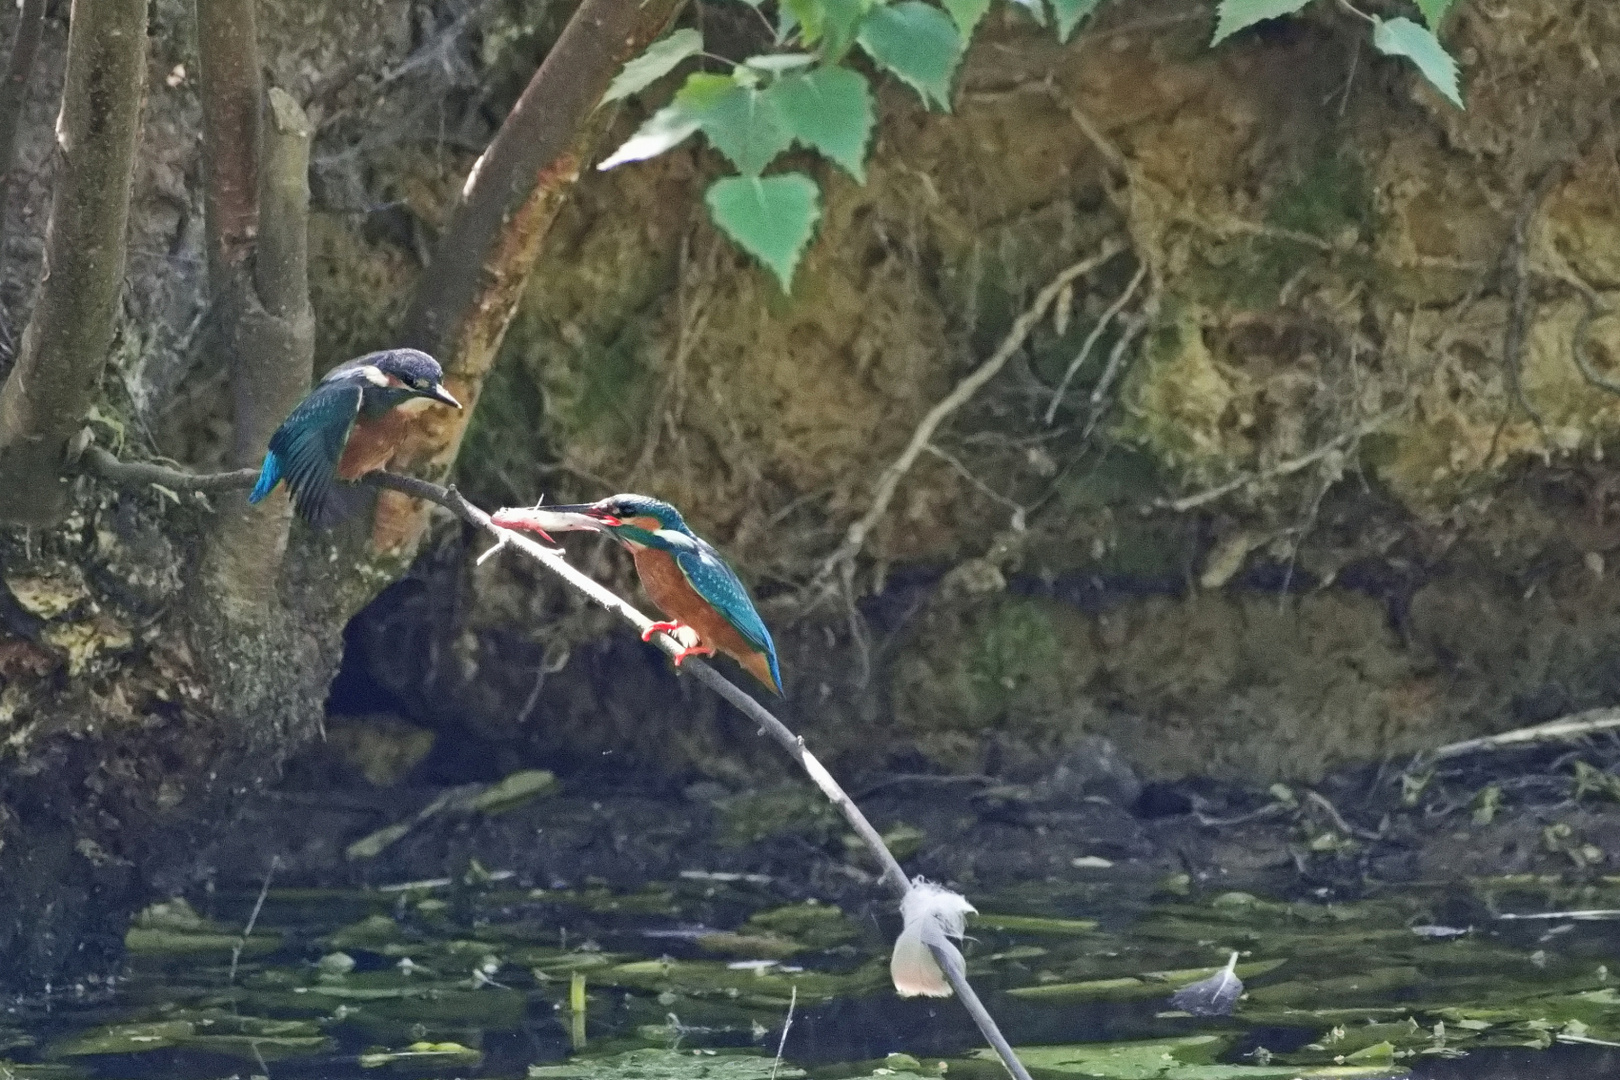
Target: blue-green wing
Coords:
[[719, 584], [309, 443]]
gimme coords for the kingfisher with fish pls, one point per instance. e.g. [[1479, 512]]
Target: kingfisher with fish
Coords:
[[695, 588], [350, 424]]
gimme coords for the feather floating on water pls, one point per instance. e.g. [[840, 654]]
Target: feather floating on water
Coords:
[[1215, 996], [931, 915]]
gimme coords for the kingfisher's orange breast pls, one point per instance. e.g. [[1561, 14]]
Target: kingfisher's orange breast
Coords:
[[372, 444], [676, 598]]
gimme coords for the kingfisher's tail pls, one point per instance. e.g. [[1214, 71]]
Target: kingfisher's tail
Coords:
[[269, 477]]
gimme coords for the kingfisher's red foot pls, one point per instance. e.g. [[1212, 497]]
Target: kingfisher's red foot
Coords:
[[692, 650], [662, 628]]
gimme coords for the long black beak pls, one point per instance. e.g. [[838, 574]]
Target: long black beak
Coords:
[[588, 511], [438, 393]]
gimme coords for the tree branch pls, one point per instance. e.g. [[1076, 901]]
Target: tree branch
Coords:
[[64, 348], [464, 303], [106, 466], [14, 95], [230, 87]]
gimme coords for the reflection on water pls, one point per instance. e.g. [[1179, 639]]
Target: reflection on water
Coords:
[[448, 979]]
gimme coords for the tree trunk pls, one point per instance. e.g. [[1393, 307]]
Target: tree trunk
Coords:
[[64, 348]]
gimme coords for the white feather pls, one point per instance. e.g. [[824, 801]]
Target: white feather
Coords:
[[931, 915]]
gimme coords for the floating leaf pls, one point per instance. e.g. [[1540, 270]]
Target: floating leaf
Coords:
[[769, 217], [830, 110], [514, 791], [742, 122], [1235, 15], [663, 130], [657, 61], [1433, 11], [1403, 37], [1215, 996], [918, 44], [967, 14], [668, 1065], [1069, 14], [1035, 924]]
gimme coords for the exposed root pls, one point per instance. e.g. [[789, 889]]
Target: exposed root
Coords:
[[1286, 468], [890, 479]]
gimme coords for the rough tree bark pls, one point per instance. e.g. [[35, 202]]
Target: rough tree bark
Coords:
[[191, 657], [466, 300], [64, 348], [13, 94], [256, 193]]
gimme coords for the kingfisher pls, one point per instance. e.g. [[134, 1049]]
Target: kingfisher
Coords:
[[682, 573], [349, 425]]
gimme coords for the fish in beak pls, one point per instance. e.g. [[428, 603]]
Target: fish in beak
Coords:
[[547, 520]]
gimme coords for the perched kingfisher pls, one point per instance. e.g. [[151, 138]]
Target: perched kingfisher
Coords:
[[349, 425], [684, 575]]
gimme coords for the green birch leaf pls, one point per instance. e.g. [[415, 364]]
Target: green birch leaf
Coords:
[[1433, 11], [659, 60], [742, 122], [769, 217], [917, 43], [830, 110], [1069, 14], [807, 15], [1403, 37], [839, 20], [967, 14], [663, 130], [1235, 15]]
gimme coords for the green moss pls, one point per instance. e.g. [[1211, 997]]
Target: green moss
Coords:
[[1015, 664], [1332, 193], [1017, 647]]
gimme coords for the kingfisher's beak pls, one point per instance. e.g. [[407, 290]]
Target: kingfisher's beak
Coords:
[[595, 516], [438, 393]]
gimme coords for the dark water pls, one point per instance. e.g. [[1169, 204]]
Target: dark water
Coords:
[[450, 979]]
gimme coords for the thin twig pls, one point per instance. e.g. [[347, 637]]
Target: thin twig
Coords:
[[1286, 468], [253, 918], [1563, 729], [99, 462], [1116, 359], [787, 1025], [1091, 341], [890, 478], [1316, 798], [967, 474]]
